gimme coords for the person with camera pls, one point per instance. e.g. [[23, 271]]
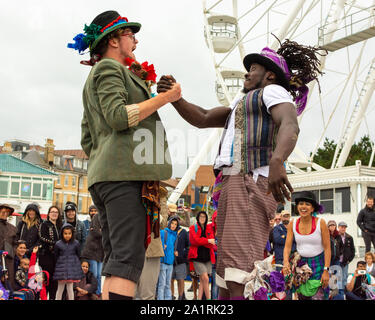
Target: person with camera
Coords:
[[355, 290]]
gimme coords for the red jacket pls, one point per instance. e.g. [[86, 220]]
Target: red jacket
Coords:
[[196, 241], [31, 273]]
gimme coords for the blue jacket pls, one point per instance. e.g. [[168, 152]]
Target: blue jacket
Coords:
[[279, 237], [168, 243], [68, 265]]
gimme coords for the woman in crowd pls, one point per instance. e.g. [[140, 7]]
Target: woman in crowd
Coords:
[[86, 288], [20, 253], [335, 242], [370, 266], [49, 232], [201, 252], [28, 227], [93, 250], [313, 242]]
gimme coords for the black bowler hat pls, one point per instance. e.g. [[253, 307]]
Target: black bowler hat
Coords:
[[102, 25], [309, 197]]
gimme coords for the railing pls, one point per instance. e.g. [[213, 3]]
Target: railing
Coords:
[[353, 23]]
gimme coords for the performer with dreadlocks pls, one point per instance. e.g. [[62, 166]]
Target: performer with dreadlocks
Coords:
[[261, 131]]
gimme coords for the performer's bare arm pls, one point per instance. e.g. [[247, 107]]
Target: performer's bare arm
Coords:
[[288, 247], [195, 115], [285, 117]]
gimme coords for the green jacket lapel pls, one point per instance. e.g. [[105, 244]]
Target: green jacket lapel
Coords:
[[141, 82]]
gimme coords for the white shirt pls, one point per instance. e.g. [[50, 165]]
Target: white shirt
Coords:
[[369, 268], [350, 277], [308, 245], [272, 95]]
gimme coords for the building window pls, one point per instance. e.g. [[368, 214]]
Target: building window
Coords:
[[56, 160], [79, 204], [25, 189], [65, 199], [85, 164], [37, 189], [342, 200], [370, 192], [58, 181], [334, 201], [77, 163], [326, 200], [66, 181], [15, 188], [74, 181], [81, 182], [4, 187]]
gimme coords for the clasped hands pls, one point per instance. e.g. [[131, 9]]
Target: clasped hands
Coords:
[[168, 85]]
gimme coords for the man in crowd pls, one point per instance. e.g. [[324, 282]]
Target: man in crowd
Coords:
[[70, 216], [173, 211], [279, 237], [347, 249], [366, 222], [355, 290], [8, 240]]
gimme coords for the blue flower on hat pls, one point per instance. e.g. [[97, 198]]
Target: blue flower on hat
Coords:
[[80, 44]]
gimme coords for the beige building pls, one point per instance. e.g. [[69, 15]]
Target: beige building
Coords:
[[70, 165]]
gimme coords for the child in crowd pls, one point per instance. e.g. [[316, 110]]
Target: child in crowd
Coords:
[[38, 279], [85, 289], [5, 288], [21, 276], [68, 267]]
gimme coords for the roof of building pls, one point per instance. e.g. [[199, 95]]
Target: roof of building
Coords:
[[9, 163], [34, 157], [74, 152]]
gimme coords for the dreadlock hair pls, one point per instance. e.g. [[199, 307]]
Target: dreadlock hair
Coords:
[[303, 63]]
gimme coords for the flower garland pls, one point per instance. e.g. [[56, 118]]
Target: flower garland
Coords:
[[142, 70]]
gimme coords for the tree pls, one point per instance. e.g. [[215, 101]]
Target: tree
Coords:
[[359, 151]]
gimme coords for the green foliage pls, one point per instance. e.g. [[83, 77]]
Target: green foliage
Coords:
[[359, 151]]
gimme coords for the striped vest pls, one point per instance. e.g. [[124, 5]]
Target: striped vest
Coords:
[[255, 133]]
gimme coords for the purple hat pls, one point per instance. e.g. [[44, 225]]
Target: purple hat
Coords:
[[276, 63], [272, 61]]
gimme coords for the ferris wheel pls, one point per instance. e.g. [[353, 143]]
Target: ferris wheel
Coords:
[[339, 107]]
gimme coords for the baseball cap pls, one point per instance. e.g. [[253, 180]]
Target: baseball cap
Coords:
[[331, 223], [285, 213], [342, 224]]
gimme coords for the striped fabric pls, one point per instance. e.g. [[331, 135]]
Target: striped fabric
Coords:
[[242, 225], [254, 133], [133, 115], [316, 264]]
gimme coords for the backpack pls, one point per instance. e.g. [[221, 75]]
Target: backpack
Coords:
[[24, 294]]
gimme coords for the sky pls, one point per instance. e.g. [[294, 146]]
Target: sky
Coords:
[[41, 80]]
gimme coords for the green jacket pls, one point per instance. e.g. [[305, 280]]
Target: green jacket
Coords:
[[119, 148]]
